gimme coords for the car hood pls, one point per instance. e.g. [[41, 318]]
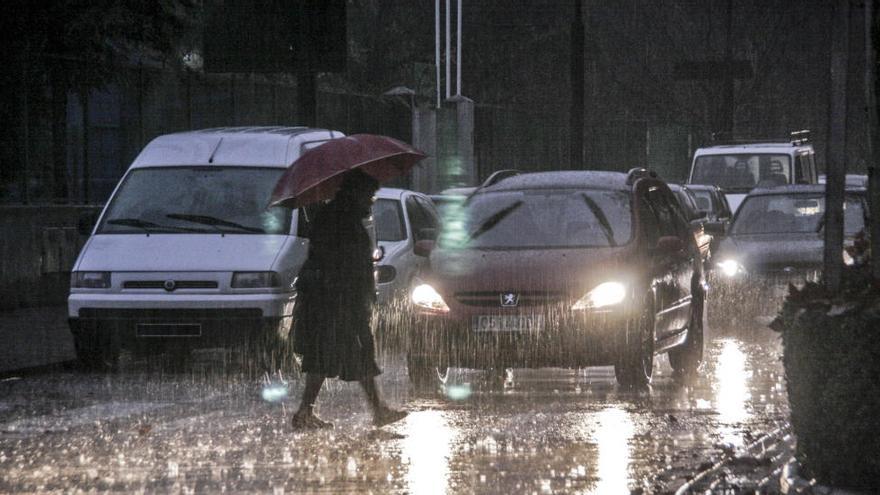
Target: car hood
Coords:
[[180, 252], [773, 249], [570, 271]]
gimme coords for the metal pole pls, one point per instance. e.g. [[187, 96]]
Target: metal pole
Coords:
[[873, 139], [437, 46], [836, 167], [458, 52], [448, 54]]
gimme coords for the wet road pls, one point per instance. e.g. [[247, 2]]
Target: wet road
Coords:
[[545, 431]]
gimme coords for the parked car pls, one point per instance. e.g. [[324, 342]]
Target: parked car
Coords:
[[851, 180], [568, 269], [740, 166], [401, 218], [186, 254], [695, 217], [776, 239]]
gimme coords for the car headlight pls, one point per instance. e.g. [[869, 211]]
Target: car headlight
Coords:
[[731, 268], [255, 280], [424, 296], [90, 280], [603, 295]]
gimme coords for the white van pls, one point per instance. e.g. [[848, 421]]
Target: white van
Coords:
[[185, 254], [739, 167]]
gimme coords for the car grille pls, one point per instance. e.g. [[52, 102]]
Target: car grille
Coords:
[[493, 299], [171, 314], [178, 284]]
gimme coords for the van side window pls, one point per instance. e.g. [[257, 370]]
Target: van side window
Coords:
[[801, 169]]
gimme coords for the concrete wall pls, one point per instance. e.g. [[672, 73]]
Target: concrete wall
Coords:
[[38, 246]]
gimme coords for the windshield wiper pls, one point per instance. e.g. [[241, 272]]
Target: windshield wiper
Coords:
[[600, 217], [214, 222], [492, 221], [147, 225]]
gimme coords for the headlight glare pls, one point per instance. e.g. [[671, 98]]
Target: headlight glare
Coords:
[[90, 280], [426, 297], [254, 280], [603, 295], [730, 268]]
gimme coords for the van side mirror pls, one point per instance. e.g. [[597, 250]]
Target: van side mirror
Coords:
[[669, 244], [423, 248], [86, 222]]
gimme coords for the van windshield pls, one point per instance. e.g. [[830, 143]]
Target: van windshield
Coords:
[[540, 218], [741, 173], [198, 199]]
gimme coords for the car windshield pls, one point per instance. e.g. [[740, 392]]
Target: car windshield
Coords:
[[176, 200], [388, 219], [540, 218], [793, 213], [742, 172]]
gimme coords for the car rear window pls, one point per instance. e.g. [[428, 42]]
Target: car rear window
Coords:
[[540, 218]]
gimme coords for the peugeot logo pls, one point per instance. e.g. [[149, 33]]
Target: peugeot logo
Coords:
[[169, 285], [509, 299]]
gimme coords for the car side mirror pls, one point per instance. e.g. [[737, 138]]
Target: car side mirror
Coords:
[[423, 248], [715, 228], [378, 254], [700, 215], [669, 244], [86, 222]]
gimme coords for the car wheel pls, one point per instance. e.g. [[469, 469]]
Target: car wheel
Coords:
[[634, 365], [425, 375], [686, 358], [95, 353]]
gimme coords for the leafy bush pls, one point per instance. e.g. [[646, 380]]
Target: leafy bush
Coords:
[[832, 368]]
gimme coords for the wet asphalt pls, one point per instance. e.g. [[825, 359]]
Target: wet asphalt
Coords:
[[208, 429]]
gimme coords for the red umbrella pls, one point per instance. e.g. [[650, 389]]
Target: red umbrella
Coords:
[[316, 175]]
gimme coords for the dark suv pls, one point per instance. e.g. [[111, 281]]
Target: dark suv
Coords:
[[561, 269]]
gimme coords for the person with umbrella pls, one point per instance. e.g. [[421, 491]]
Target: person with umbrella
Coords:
[[336, 286]]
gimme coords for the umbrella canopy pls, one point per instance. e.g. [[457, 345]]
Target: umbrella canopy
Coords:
[[317, 174]]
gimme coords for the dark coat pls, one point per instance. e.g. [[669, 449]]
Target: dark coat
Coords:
[[335, 293]]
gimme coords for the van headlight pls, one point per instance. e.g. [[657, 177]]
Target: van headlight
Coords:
[[255, 280], [731, 268], [602, 296], [90, 280], [426, 297]]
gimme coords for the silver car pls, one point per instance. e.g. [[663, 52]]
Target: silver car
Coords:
[[401, 218]]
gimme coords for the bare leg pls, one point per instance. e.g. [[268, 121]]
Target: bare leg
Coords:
[[371, 390], [305, 417], [314, 382], [382, 414]]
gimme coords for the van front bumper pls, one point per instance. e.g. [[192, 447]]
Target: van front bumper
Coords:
[[148, 323]]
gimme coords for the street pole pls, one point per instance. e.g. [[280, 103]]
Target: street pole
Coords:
[[448, 54], [437, 46], [873, 139], [836, 166], [576, 117], [458, 50]]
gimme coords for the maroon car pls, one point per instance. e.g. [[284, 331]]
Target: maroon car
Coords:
[[561, 269]]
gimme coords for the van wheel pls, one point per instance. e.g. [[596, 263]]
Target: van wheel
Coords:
[[95, 352], [634, 365], [686, 358]]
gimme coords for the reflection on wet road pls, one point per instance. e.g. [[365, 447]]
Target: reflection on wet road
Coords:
[[547, 431]]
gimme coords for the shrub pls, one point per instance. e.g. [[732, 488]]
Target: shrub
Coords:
[[832, 368]]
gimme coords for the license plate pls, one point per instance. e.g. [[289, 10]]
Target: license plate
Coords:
[[508, 323], [169, 330]]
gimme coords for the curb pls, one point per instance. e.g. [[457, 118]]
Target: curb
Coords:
[[791, 483], [763, 444]]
